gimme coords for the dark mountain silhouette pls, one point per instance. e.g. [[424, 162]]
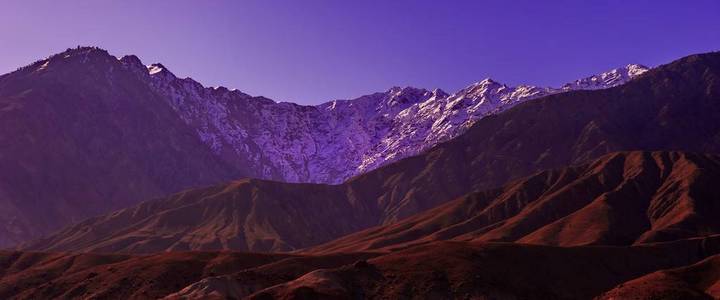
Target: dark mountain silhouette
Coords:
[[80, 136]]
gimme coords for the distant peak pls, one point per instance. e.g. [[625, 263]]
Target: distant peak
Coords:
[[630, 69], [132, 61], [607, 79], [395, 89], [406, 95], [398, 91], [220, 89], [439, 93], [635, 69], [85, 50], [487, 81], [636, 66], [482, 85]]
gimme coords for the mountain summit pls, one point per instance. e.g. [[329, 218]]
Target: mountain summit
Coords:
[[336, 140]]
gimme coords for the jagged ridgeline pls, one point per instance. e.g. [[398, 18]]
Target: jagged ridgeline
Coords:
[[122, 132]]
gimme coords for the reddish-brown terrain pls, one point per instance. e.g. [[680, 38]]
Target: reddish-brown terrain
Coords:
[[36, 275], [698, 281], [47, 276], [440, 270], [588, 228], [471, 270], [248, 214], [622, 198]]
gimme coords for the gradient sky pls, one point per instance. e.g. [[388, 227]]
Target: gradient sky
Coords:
[[315, 51]]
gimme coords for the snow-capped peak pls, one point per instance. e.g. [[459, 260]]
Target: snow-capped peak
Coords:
[[486, 81], [333, 141], [634, 70], [403, 97], [607, 79]]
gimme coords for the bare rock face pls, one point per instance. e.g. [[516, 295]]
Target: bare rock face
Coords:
[[334, 141]]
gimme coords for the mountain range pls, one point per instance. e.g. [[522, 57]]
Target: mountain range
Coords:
[[336, 140], [604, 188], [547, 133], [121, 132]]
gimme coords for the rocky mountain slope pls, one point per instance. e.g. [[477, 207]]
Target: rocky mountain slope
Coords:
[[671, 107], [619, 199], [84, 132], [255, 215], [462, 270], [442, 269], [79, 137], [334, 141]]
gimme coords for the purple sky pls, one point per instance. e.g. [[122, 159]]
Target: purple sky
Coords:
[[314, 51]]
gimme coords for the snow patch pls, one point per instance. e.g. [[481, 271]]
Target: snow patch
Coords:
[[44, 66], [154, 69], [336, 140]]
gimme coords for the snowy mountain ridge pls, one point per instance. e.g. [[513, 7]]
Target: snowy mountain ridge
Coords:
[[336, 140]]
